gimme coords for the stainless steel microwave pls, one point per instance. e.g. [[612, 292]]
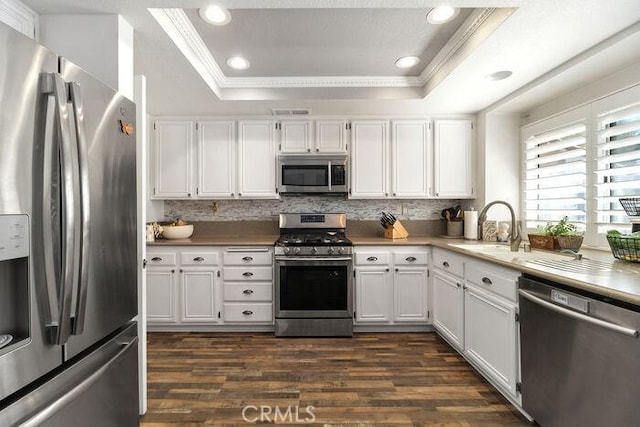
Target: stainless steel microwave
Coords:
[[312, 173]]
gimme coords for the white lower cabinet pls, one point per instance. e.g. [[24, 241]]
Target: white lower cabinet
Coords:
[[199, 295], [391, 285], [161, 295], [448, 308]]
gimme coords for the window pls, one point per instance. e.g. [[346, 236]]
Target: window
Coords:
[[580, 163]]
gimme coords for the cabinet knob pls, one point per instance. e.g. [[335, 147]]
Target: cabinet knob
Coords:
[[180, 270], [459, 285], [386, 194], [445, 264], [487, 281], [247, 291], [156, 258], [247, 258], [397, 270], [394, 194], [231, 194], [247, 274], [198, 259], [247, 312], [372, 258], [317, 150], [386, 269], [308, 150], [173, 271], [188, 194], [410, 258]]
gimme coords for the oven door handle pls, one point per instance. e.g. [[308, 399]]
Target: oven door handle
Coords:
[[307, 259]]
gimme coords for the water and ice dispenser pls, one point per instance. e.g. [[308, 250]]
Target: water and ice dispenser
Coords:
[[14, 280]]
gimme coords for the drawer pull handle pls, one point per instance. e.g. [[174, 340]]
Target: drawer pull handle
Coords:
[[198, 259], [247, 274], [487, 281], [372, 258], [247, 312], [446, 264], [410, 258], [247, 291], [459, 285], [156, 258], [247, 258]]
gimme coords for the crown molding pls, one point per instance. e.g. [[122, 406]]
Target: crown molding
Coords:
[[179, 28]]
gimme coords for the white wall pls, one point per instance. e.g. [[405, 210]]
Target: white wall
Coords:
[[100, 44]]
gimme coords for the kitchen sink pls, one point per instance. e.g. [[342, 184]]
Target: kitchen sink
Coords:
[[504, 252]]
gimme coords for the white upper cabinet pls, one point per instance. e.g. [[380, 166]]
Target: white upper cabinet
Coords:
[[453, 159], [369, 159], [411, 158], [331, 136], [173, 151], [257, 159], [216, 157], [296, 136]]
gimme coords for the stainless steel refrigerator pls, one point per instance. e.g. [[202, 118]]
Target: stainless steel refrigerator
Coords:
[[68, 291]]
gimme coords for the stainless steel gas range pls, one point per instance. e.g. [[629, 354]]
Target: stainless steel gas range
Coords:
[[314, 276]]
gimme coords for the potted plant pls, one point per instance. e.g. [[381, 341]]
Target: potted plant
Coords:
[[563, 235]]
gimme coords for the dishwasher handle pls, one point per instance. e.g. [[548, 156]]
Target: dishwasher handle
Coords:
[[575, 315]]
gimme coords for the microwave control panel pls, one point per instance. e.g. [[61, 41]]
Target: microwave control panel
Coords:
[[14, 236]]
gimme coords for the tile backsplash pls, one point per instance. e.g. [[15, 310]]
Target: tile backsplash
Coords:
[[251, 210]]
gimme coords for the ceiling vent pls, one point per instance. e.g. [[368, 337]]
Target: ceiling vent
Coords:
[[290, 111]]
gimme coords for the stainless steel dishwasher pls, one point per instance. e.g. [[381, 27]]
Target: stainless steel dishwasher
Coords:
[[580, 357]]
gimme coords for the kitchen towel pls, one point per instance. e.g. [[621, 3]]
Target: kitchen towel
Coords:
[[471, 225]]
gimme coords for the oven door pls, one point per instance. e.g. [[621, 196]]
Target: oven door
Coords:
[[314, 287]]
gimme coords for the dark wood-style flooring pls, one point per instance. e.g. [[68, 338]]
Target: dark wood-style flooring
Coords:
[[393, 379]]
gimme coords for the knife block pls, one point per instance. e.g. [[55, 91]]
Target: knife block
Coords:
[[395, 231]]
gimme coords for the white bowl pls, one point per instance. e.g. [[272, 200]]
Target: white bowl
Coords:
[[177, 231]]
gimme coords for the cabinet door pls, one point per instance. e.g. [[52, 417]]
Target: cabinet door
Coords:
[[173, 152], [410, 153], [331, 136], [257, 159], [453, 159], [448, 300], [410, 295], [216, 159], [199, 296], [161, 296], [490, 336], [295, 136], [369, 159], [373, 295]]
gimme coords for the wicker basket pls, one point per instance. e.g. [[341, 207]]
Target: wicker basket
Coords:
[[625, 248], [569, 242], [538, 241]]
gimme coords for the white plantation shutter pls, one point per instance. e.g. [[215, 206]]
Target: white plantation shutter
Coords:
[[555, 175], [617, 165]]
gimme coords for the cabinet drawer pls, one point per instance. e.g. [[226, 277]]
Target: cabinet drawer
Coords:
[[449, 262], [248, 258], [161, 258], [198, 258], [501, 281], [372, 258], [248, 313], [248, 273], [248, 291], [411, 258]]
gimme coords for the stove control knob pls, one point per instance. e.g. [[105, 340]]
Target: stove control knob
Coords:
[[340, 251], [296, 250], [314, 250], [330, 251], [287, 250]]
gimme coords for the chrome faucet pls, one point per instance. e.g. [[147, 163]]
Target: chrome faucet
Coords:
[[516, 229]]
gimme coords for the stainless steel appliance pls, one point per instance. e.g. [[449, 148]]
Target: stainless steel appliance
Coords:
[[68, 291], [312, 173], [313, 276], [580, 357]]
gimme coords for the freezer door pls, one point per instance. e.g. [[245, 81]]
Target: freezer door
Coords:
[[23, 114], [107, 293], [98, 390]]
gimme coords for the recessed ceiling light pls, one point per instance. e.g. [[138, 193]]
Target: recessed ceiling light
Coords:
[[407, 61], [442, 14], [238, 63], [216, 15], [499, 75]]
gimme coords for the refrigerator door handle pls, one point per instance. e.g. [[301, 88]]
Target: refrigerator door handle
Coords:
[[46, 413], [60, 297], [83, 171]]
